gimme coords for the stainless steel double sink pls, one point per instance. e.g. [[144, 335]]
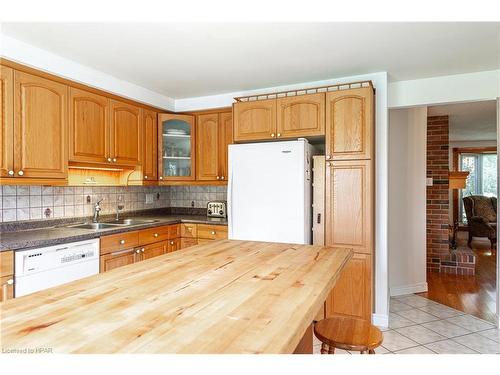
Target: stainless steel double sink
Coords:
[[111, 224]]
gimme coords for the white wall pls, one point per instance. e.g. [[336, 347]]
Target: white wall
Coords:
[[27, 54], [445, 89], [407, 204]]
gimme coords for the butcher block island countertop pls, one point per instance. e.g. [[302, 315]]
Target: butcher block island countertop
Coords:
[[224, 297]]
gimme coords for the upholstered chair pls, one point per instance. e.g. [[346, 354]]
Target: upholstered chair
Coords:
[[481, 215]]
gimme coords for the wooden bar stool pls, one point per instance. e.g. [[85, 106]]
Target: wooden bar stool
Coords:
[[347, 333]]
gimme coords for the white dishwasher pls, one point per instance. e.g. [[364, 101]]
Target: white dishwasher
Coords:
[[45, 267]]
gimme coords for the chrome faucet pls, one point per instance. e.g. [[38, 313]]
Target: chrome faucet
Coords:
[[97, 209]]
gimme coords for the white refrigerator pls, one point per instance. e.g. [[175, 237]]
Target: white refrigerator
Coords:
[[269, 192]]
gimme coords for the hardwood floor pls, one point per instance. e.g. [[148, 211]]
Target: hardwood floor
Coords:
[[475, 295]]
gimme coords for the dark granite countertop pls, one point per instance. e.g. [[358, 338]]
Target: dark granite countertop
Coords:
[[47, 236]]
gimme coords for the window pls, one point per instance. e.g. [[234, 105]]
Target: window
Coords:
[[482, 179]]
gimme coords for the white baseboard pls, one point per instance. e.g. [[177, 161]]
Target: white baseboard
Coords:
[[380, 320], [408, 289]]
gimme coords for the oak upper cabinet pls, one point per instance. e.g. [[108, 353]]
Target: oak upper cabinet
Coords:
[[89, 130], [349, 205], [349, 124], [207, 147], [352, 294], [40, 127], [150, 146], [301, 116], [125, 133], [254, 120], [214, 134], [176, 145], [225, 139], [7, 122]]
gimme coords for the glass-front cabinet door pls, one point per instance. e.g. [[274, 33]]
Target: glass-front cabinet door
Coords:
[[176, 144]]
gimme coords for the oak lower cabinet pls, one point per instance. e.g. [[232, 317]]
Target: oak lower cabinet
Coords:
[[254, 120], [6, 275], [34, 140], [301, 116], [188, 242], [125, 133], [173, 245], [89, 127], [352, 294], [350, 124], [118, 259], [197, 234], [153, 250]]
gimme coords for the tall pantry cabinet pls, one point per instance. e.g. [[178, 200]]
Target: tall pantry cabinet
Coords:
[[349, 196]]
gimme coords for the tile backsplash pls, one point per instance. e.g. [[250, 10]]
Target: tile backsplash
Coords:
[[31, 202]]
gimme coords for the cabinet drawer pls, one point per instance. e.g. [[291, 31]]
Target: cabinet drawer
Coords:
[[202, 241], [120, 241], [157, 234], [6, 263], [188, 242], [174, 231], [212, 232], [188, 230]]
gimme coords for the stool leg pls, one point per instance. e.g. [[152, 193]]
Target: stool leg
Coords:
[[371, 351], [324, 348], [331, 350], [362, 352]]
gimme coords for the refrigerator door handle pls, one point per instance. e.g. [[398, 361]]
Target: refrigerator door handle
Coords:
[[230, 202]]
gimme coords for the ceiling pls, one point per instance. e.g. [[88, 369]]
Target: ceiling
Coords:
[[475, 121], [182, 60]]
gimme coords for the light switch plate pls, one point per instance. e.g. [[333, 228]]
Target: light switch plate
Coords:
[[430, 181]]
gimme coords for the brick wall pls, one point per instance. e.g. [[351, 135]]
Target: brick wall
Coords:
[[439, 256]]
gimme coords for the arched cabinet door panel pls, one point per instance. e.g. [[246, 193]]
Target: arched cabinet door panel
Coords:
[[254, 120], [40, 127], [349, 124], [126, 133], [301, 116], [89, 127], [6, 121]]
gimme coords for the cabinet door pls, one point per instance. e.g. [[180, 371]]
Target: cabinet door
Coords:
[[118, 259], [207, 147], [349, 205], [177, 135], [153, 250], [254, 120], [174, 245], [126, 133], [6, 122], [150, 146], [301, 116], [225, 139], [349, 124], [88, 127], [352, 294], [188, 242], [40, 127]]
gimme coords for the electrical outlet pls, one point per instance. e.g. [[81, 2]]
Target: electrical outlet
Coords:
[[149, 198]]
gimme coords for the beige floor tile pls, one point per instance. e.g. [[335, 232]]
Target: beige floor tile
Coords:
[[415, 301], [492, 334], [397, 321], [471, 323], [449, 347], [441, 311], [381, 350], [396, 306], [420, 334], [479, 343], [415, 350], [418, 316], [446, 329], [395, 341]]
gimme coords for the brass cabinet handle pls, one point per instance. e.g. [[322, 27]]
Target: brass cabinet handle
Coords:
[[122, 242], [328, 157], [218, 178], [11, 173], [137, 251], [213, 232], [142, 249], [20, 173], [109, 159], [146, 177], [279, 134], [222, 178], [155, 235], [272, 135], [161, 177], [114, 160], [171, 242]]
